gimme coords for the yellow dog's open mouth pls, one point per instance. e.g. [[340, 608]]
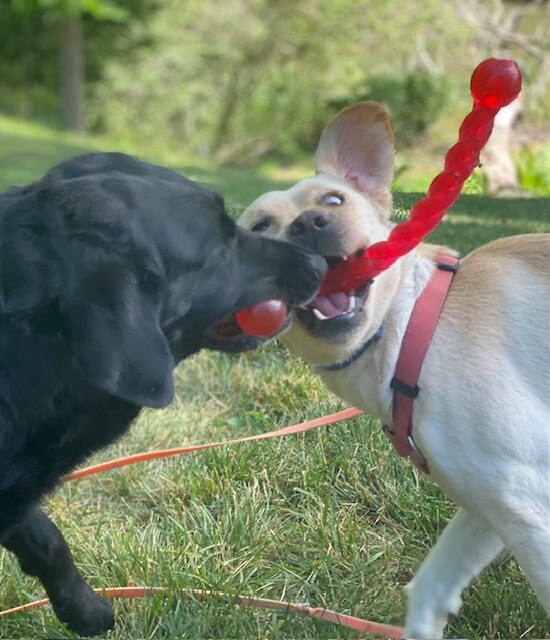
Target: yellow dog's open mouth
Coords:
[[337, 305]]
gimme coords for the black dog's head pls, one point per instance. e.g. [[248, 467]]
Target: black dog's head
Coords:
[[132, 267]]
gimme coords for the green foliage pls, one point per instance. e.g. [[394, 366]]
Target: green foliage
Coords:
[[233, 80], [29, 47], [254, 78], [101, 9], [424, 98], [414, 100], [246, 80], [475, 185], [533, 166]]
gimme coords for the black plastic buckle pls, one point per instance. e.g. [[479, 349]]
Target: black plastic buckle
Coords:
[[447, 266], [404, 388]]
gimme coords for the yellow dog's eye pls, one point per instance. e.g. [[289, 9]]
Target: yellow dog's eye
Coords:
[[261, 225], [333, 199]]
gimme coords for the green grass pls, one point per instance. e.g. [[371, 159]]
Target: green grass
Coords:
[[28, 150], [331, 517]]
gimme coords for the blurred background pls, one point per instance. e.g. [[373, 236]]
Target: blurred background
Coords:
[[236, 93]]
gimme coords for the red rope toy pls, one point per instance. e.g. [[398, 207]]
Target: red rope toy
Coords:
[[494, 84]]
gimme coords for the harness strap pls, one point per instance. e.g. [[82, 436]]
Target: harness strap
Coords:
[[416, 342]]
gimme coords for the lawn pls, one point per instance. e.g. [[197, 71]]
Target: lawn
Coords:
[[331, 517]]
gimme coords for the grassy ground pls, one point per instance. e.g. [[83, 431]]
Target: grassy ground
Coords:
[[332, 517], [27, 150]]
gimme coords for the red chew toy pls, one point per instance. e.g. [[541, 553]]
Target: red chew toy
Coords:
[[262, 319], [494, 84]]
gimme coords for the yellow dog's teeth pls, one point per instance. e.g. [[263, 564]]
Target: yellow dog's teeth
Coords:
[[319, 315], [352, 302]]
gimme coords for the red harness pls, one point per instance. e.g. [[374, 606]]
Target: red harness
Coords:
[[415, 345]]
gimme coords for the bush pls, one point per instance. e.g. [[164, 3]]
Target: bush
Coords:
[[414, 101], [533, 165]]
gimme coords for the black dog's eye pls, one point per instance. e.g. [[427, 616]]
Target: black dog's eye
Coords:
[[262, 225], [333, 199]]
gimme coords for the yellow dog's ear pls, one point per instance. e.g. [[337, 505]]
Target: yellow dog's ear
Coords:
[[357, 145]]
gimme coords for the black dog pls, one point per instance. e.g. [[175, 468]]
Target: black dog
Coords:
[[111, 272]]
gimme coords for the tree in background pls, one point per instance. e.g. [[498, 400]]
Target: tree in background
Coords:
[[243, 78], [45, 42], [71, 66], [498, 32]]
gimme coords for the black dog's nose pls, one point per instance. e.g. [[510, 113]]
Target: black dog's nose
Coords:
[[310, 221]]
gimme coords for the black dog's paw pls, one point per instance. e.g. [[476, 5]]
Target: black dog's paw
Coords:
[[85, 612]]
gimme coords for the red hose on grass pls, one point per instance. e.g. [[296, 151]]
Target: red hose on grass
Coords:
[[325, 615]]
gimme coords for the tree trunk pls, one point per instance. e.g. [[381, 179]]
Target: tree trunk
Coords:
[[71, 71], [229, 107], [498, 165]]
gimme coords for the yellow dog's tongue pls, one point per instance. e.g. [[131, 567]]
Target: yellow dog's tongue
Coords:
[[335, 304]]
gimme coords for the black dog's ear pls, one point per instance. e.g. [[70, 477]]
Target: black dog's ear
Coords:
[[117, 340], [53, 255], [27, 279]]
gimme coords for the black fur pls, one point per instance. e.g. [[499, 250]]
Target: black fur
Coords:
[[111, 272]]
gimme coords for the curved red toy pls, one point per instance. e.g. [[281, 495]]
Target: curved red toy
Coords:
[[494, 84]]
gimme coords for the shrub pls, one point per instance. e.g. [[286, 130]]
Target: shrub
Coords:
[[533, 165], [413, 100]]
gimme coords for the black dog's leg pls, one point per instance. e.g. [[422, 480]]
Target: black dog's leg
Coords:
[[42, 552]]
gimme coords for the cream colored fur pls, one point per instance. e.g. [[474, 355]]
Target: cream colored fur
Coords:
[[482, 419]]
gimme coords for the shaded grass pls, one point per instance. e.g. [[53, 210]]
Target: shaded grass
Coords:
[[331, 517], [475, 220], [28, 150]]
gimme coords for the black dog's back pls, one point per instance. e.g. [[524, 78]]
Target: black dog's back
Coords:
[[91, 164]]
